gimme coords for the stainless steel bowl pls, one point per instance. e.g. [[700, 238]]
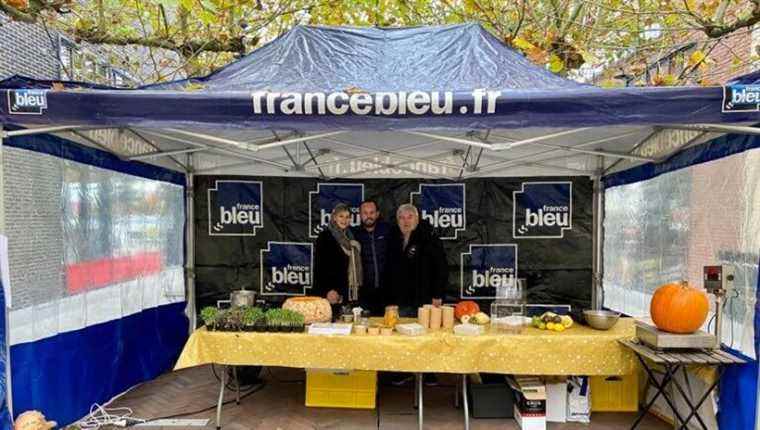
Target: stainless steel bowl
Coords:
[[242, 298], [601, 320]]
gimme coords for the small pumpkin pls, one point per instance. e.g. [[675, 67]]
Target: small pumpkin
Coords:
[[466, 307], [679, 308]]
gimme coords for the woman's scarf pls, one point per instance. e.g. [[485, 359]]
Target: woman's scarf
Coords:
[[352, 249]]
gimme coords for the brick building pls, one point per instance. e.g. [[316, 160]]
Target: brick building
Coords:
[[735, 54], [26, 49], [34, 51]]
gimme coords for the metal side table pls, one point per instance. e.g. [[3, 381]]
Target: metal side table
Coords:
[[673, 362]]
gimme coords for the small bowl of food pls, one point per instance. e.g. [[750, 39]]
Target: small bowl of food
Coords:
[[601, 320]]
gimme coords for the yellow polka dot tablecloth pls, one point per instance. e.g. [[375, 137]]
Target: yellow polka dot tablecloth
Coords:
[[579, 350]]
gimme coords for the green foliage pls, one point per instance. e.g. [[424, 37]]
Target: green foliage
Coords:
[[252, 315], [284, 317], [209, 315], [274, 317], [560, 35]]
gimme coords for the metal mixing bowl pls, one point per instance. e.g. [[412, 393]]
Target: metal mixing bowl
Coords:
[[601, 320]]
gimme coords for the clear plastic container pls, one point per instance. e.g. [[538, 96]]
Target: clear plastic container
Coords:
[[513, 324], [468, 329], [411, 329]]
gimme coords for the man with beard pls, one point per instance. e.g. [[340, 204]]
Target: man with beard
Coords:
[[372, 234]]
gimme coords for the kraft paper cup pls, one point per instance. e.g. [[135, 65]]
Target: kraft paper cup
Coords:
[[448, 317], [360, 330], [435, 318], [423, 317], [373, 331]]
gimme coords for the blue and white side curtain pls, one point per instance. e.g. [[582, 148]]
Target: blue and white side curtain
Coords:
[[5, 418], [97, 294], [665, 221]]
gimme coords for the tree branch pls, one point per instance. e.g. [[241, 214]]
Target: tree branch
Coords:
[[16, 14], [714, 30], [186, 47]]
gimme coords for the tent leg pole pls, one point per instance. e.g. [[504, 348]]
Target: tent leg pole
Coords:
[[190, 244], [220, 403], [6, 311], [597, 300]]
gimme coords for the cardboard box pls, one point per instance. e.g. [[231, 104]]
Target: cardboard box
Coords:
[[556, 400], [530, 402]]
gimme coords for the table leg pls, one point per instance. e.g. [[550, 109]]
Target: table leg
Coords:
[[695, 409], [419, 400], [669, 372], [221, 398], [465, 404], [237, 385], [416, 393], [650, 380], [687, 400], [672, 371]]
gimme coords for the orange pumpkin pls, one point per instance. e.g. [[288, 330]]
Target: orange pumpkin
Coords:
[[467, 307], [679, 308]]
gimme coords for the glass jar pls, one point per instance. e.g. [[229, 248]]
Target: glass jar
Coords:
[[391, 316]]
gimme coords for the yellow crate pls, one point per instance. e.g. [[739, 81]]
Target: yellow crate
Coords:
[[615, 393], [355, 389]]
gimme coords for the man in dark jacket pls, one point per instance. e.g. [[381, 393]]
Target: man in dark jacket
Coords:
[[372, 234], [416, 270]]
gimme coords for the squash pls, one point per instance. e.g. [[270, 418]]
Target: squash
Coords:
[[679, 308], [314, 309], [466, 307]]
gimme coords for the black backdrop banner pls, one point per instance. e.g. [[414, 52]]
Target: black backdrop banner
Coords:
[[494, 230]]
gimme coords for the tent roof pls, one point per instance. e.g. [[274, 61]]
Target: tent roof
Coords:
[[447, 58], [353, 74], [318, 97], [752, 78]]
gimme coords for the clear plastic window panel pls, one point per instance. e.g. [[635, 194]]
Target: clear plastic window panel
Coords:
[[87, 245], [667, 228]]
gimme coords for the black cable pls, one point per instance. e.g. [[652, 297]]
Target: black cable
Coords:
[[723, 308], [709, 323], [735, 296]]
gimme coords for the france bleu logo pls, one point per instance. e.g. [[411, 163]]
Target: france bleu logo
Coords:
[[323, 200], [235, 208], [27, 102], [741, 98], [542, 210], [286, 268], [443, 205], [489, 271]]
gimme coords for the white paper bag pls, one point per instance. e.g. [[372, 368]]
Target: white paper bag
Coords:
[[578, 399]]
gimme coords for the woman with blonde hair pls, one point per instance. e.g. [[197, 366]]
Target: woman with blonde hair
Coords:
[[337, 260]]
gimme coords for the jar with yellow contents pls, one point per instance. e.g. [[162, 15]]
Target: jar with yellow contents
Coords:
[[391, 316]]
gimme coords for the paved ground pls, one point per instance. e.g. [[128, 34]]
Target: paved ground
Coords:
[[280, 405]]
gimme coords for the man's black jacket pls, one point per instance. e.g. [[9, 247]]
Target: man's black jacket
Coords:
[[417, 273]]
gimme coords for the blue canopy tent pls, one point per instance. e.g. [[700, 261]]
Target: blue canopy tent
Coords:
[[447, 102]]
